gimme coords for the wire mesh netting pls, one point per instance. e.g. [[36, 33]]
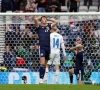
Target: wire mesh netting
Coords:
[[21, 42]]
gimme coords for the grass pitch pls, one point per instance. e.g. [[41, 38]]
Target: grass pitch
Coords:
[[49, 87]]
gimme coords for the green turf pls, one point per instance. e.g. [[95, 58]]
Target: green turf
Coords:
[[49, 87]]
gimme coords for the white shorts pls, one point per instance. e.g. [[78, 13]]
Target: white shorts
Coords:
[[54, 57]]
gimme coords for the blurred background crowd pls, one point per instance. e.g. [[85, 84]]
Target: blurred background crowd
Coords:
[[50, 5], [22, 40], [22, 44]]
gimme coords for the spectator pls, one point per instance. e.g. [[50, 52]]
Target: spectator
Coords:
[[74, 31], [87, 30], [73, 5], [88, 1], [25, 54], [10, 28], [27, 38], [41, 5], [17, 35], [54, 6], [12, 35], [98, 5], [9, 57], [97, 34], [62, 2], [23, 4], [16, 4], [22, 28], [96, 27], [16, 19], [6, 5], [3, 68], [9, 34], [30, 7]]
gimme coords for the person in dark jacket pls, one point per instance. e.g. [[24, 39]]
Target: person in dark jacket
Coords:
[[6, 5], [41, 5], [88, 2], [16, 4], [73, 5], [54, 6]]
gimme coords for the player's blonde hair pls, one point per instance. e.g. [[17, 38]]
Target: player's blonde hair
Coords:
[[55, 29], [79, 46]]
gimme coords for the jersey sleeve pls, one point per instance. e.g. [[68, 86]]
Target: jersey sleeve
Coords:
[[63, 46], [62, 41]]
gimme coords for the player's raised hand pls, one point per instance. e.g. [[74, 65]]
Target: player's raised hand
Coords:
[[64, 57], [48, 19]]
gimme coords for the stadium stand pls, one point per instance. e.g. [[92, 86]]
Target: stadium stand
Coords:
[[37, 6]]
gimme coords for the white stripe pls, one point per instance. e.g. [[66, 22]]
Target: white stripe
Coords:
[[39, 51], [80, 78]]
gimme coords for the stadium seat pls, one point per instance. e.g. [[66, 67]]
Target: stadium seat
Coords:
[[93, 9], [64, 9], [95, 3], [8, 11], [83, 9], [21, 61], [21, 11], [81, 3]]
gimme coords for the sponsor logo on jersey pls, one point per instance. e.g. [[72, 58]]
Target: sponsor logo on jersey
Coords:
[[41, 54]]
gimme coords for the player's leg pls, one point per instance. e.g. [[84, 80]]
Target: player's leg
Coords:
[[56, 62], [57, 73], [71, 72], [46, 72], [48, 62], [42, 65], [81, 72], [79, 75]]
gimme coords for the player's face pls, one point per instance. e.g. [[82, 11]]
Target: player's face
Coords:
[[44, 20]]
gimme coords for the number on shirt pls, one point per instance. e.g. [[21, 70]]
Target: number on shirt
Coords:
[[55, 42]]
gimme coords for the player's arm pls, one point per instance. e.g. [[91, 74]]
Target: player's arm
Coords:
[[36, 21], [63, 48], [77, 46], [73, 49], [55, 22]]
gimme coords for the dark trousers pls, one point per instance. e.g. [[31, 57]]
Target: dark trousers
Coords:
[[99, 3], [16, 6], [88, 1], [62, 2], [5, 7], [73, 10]]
